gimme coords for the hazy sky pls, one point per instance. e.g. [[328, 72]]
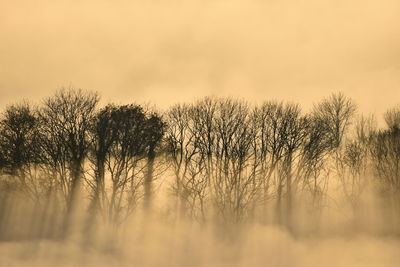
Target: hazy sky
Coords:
[[165, 51]]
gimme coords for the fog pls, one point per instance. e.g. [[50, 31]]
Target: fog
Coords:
[[278, 250], [29, 237], [163, 243], [169, 189]]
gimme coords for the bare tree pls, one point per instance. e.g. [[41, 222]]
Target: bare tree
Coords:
[[315, 151], [210, 150], [392, 118], [66, 120], [335, 112], [279, 134], [356, 161], [268, 143], [294, 132], [385, 152], [183, 148], [385, 155], [234, 190]]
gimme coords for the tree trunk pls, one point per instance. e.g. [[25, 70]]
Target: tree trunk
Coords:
[[148, 182], [289, 203], [95, 202], [76, 172]]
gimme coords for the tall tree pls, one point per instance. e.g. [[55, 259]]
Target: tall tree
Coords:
[[66, 120], [183, 148], [336, 113], [153, 134], [103, 136], [18, 144]]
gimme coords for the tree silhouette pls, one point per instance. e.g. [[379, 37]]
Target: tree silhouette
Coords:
[[226, 161], [66, 120], [18, 140], [335, 112], [183, 149], [153, 133]]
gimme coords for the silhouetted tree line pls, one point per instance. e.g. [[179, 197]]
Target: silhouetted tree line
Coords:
[[222, 159]]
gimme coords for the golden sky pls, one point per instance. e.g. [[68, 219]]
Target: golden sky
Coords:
[[165, 51]]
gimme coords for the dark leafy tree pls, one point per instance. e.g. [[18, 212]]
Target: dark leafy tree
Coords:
[[18, 144], [153, 134]]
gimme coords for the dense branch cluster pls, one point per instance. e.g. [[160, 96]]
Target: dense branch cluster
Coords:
[[221, 159]]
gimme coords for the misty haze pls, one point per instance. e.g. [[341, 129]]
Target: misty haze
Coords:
[[200, 133]]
